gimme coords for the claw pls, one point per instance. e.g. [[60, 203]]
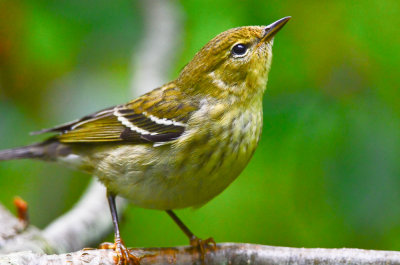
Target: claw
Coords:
[[203, 244], [123, 256]]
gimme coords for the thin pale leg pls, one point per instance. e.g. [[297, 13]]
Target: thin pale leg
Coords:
[[200, 244], [124, 257]]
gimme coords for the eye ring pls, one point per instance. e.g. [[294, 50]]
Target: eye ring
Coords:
[[239, 50]]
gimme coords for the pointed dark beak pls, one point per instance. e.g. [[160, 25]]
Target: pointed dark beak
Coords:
[[273, 28]]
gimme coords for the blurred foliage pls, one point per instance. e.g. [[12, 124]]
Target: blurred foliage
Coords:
[[327, 171]]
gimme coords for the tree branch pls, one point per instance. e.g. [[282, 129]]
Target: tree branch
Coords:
[[14, 236], [227, 253], [152, 61], [88, 222], [85, 224]]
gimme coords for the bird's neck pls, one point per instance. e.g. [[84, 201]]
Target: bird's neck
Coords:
[[214, 85]]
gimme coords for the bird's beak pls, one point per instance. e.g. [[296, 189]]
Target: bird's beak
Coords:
[[273, 28]]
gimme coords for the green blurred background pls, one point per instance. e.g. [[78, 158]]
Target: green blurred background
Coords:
[[326, 172]]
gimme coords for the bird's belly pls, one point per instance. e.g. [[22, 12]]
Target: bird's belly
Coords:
[[173, 176]]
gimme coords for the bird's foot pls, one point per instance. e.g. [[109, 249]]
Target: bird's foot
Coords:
[[203, 244], [123, 256]]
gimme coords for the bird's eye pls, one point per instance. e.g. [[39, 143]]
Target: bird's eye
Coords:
[[239, 49]]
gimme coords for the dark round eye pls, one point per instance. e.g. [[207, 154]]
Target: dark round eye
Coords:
[[239, 49]]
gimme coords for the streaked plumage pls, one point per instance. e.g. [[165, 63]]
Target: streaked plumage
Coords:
[[183, 143], [159, 115], [178, 145]]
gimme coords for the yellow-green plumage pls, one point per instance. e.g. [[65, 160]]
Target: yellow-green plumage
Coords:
[[183, 143], [188, 171], [218, 98]]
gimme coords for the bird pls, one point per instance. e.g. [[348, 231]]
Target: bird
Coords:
[[179, 145]]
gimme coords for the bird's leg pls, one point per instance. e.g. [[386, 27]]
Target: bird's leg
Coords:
[[124, 257], [200, 244]]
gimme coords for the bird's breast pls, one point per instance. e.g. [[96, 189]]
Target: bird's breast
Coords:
[[191, 171]]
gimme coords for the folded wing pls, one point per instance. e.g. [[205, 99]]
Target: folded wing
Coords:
[[159, 116]]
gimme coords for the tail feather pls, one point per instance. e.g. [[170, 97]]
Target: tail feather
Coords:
[[47, 150], [30, 151]]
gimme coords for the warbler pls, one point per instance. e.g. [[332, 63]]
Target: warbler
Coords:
[[181, 144]]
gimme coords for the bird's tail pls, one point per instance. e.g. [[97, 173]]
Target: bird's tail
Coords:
[[30, 151], [47, 150]]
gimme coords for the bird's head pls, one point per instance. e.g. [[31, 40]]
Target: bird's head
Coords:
[[234, 63]]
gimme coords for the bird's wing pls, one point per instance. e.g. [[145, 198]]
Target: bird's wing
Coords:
[[158, 116]]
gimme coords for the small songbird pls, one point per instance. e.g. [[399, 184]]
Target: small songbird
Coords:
[[179, 145]]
